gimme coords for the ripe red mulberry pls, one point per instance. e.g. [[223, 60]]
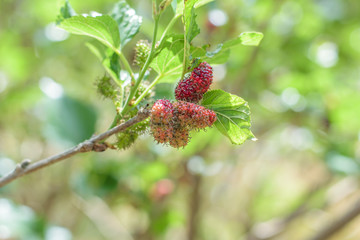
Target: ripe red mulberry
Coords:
[[193, 87], [192, 115]]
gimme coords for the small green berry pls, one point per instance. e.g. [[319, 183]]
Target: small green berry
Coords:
[[142, 52], [106, 88]]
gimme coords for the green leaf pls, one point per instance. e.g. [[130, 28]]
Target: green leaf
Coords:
[[163, 5], [233, 115], [128, 22], [245, 38], [69, 120], [108, 58], [168, 62], [200, 3], [174, 5], [65, 12], [112, 61], [102, 28], [221, 53], [178, 5], [341, 164], [191, 27], [217, 56]]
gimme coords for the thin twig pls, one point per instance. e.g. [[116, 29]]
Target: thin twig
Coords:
[[103, 218], [92, 144], [279, 226], [339, 223]]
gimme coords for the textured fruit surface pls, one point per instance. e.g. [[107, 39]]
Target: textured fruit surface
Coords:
[[126, 138], [106, 88], [142, 52], [193, 87], [162, 134], [192, 115], [162, 112], [171, 123], [180, 138]]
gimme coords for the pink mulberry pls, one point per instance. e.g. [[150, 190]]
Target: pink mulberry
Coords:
[[171, 122], [162, 112], [180, 138], [192, 115], [162, 134]]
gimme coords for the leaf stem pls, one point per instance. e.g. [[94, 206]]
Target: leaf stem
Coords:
[[156, 80], [143, 70], [185, 55], [185, 47], [126, 64], [133, 90], [169, 26]]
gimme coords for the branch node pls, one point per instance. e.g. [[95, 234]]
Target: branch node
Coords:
[[144, 113], [92, 144], [100, 147], [25, 163], [86, 146]]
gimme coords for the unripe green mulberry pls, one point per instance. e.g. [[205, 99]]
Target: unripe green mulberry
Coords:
[[126, 138], [142, 52], [106, 88]]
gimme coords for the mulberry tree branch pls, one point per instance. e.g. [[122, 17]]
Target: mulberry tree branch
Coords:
[[338, 224], [92, 144]]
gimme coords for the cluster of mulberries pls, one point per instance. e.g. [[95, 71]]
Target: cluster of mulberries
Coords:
[[171, 122], [193, 87]]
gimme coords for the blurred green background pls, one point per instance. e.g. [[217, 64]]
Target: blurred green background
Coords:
[[303, 87]]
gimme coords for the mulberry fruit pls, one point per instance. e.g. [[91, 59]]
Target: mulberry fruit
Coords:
[[162, 134], [162, 112], [180, 138], [171, 123], [142, 52], [106, 88], [192, 115], [193, 87], [161, 120]]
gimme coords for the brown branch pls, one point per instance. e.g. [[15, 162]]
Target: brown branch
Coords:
[[92, 144], [339, 223], [103, 218], [279, 226]]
